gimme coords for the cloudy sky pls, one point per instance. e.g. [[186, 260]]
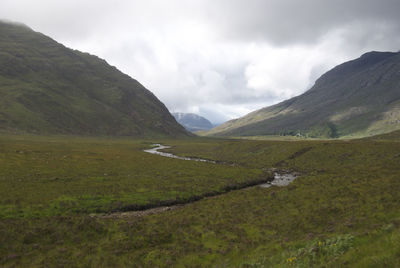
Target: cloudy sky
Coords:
[[218, 58]]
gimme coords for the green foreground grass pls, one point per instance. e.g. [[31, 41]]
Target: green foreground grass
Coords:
[[342, 211], [63, 176]]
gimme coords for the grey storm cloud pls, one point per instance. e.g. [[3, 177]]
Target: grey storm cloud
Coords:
[[290, 21], [219, 58]]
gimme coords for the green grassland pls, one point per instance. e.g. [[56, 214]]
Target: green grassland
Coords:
[[57, 176], [342, 211]]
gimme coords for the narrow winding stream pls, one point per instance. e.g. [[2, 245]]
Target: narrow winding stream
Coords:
[[280, 179], [157, 147]]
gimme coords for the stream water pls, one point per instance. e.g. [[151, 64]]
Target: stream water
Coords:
[[157, 147], [280, 179], [283, 179]]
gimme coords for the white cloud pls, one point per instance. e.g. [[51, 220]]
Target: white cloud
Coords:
[[220, 58]]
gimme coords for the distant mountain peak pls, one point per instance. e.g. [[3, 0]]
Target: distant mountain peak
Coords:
[[193, 122], [378, 54], [14, 23], [374, 57]]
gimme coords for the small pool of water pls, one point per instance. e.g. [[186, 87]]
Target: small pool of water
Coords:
[[280, 180]]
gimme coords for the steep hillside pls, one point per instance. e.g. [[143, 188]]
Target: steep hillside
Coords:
[[47, 88], [357, 98], [193, 122]]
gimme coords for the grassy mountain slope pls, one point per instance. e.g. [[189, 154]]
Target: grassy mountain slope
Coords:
[[357, 98], [48, 88]]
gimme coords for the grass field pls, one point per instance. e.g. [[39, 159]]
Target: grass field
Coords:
[[62, 176], [342, 211]]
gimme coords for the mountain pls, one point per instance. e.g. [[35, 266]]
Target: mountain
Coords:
[[47, 88], [193, 122], [357, 98]]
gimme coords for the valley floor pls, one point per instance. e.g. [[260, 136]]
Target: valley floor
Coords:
[[343, 211]]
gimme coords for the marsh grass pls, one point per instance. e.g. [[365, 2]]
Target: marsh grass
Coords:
[[63, 176], [342, 211]]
